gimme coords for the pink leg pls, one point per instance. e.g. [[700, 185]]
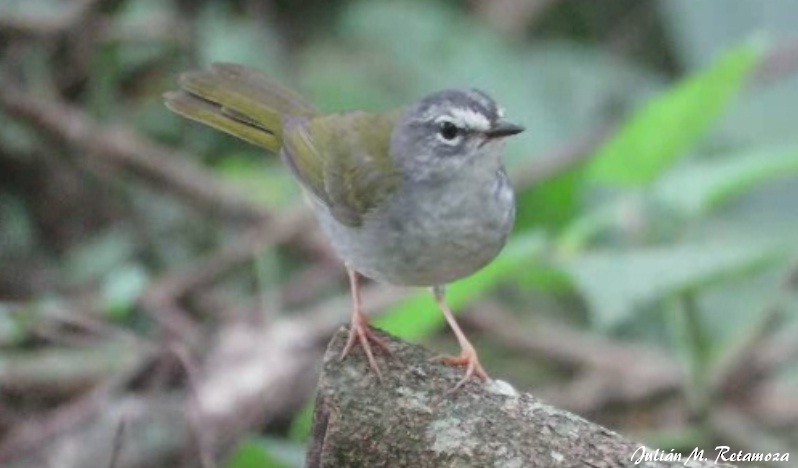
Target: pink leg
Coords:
[[359, 330], [468, 355]]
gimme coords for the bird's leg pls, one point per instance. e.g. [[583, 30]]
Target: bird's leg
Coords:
[[468, 355], [360, 330]]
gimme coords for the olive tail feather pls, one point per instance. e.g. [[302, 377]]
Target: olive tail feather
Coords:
[[238, 100], [210, 114]]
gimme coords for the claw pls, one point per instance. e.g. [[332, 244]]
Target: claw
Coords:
[[468, 355], [469, 359], [362, 333]]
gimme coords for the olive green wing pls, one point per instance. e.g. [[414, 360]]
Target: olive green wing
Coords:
[[344, 160]]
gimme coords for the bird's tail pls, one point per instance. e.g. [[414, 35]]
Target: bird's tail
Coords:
[[240, 101]]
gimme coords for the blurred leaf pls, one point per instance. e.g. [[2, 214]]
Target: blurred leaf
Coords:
[[616, 283], [136, 19], [16, 228], [340, 79], [578, 235], [252, 453], [99, 255], [765, 213], [122, 287], [68, 365], [268, 183], [418, 316], [302, 424], [552, 203], [267, 452], [103, 98], [733, 310], [16, 138], [699, 186], [630, 218], [671, 124], [229, 37], [12, 331], [150, 118], [143, 12]]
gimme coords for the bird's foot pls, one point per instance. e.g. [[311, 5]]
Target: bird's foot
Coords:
[[467, 358], [361, 332]]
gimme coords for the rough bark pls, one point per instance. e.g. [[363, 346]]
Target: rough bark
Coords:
[[410, 418]]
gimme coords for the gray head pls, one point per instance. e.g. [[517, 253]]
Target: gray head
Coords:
[[449, 130]]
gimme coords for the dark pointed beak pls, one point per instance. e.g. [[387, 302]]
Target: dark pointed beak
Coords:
[[502, 129]]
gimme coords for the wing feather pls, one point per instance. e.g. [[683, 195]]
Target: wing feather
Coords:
[[344, 160]]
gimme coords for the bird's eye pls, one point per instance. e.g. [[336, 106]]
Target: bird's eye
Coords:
[[448, 131]]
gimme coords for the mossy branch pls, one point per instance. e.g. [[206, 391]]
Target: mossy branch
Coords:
[[411, 419]]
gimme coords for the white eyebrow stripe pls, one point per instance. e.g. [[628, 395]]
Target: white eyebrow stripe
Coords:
[[467, 118]]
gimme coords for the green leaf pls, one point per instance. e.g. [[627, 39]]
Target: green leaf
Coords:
[[616, 283], [670, 125], [12, 331], [418, 316], [699, 186], [252, 453], [266, 183], [16, 227], [553, 203], [95, 257], [230, 37], [122, 287], [302, 424]]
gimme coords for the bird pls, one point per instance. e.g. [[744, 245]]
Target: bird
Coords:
[[415, 196]]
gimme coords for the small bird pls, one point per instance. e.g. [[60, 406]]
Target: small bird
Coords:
[[414, 197]]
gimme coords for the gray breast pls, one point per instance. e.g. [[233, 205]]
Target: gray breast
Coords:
[[430, 234]]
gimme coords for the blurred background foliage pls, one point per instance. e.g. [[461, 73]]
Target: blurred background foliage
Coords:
[[151, 270]]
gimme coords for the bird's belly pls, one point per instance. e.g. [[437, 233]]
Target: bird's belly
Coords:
[[425, 244]]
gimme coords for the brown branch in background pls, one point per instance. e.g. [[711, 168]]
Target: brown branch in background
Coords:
[[91, 440], [72, 14], [306, 285], [203, 273], [759, 354], [162, 299], [197, 426], [631, 30], [119, 442], [166, 169], [171, 171], [513, 17], [618, 373], [782, 61], [611, 373], [736, 429], [777, 404], [30, 435], [224, 401]]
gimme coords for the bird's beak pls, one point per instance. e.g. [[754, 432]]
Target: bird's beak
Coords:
[[502, 129]]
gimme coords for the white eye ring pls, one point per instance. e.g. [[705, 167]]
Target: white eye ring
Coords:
[[448, 132]]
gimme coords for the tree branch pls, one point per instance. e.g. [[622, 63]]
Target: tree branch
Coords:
[[164, 168], [411, 418]]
